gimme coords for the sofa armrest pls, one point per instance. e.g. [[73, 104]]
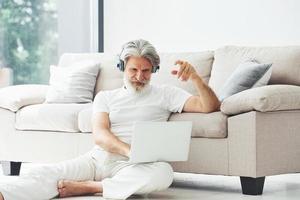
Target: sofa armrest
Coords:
[[17, 96], [263, 99], [264, 143]]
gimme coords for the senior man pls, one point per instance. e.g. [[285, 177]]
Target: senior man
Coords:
[[104, 169]]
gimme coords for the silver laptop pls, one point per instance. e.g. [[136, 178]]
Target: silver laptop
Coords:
[[160, 141]]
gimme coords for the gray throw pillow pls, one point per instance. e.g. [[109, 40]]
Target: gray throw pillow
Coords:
[[248, 74]]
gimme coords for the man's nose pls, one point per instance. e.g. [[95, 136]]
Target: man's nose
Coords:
[[140, 76]]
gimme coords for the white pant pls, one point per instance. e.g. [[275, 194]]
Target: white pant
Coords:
[[118, 178]]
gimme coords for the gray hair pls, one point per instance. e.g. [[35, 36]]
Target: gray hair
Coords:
[[140, 48]]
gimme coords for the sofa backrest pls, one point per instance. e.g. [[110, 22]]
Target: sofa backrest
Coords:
[[286, 63], [111, 78], [202, 61]]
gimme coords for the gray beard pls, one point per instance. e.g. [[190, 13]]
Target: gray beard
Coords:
[[134, 89]]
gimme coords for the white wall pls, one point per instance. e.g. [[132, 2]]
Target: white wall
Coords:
[[193, 25]]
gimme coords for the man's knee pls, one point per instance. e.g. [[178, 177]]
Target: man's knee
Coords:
[[160, 178], [165, 174]]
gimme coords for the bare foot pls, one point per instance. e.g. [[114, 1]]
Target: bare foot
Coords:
[[68, 188], [1, 197]]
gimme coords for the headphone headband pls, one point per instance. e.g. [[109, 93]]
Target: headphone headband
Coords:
[[121, 64]]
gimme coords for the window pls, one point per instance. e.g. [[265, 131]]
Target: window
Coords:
[[28, 38]]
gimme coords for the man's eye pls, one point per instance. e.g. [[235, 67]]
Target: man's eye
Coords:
[[146, 70], [133, 69]]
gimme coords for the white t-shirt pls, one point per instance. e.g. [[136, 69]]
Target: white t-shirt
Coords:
[[154, 103]]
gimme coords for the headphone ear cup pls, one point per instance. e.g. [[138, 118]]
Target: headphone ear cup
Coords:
[[155, 68], [120, 65]]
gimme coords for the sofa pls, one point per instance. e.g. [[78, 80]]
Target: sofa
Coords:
[[255, 134]]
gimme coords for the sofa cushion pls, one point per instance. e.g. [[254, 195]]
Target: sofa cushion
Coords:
[[50, 117], [16, 96], [208, 125], [285, 67], [85, 119], [248, 74], [263, 99], [74, 83], [109, 77]]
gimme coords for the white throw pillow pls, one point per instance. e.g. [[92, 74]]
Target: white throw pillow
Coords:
[[73, 84]]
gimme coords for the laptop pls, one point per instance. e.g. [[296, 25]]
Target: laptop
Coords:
[[160, 141]]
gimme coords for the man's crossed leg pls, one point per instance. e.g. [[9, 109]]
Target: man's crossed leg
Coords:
[[79, 177]]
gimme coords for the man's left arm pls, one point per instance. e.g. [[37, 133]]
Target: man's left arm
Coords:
[[206, 101]]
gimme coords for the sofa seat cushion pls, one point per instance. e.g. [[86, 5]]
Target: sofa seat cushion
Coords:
[[85, 119], [50, 117], [207, 125], [211, 125]]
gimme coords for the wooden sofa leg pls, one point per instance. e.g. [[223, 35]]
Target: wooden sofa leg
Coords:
[[11, 168], [252, 186]]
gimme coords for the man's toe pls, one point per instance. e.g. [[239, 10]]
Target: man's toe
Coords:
[[62, 192], [60, 184]]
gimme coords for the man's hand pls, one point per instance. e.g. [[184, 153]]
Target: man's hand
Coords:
[[127, 153], [206, 100], [185, 72], [105, 138]]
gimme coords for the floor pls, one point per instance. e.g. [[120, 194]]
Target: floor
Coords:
[[207, 187]]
